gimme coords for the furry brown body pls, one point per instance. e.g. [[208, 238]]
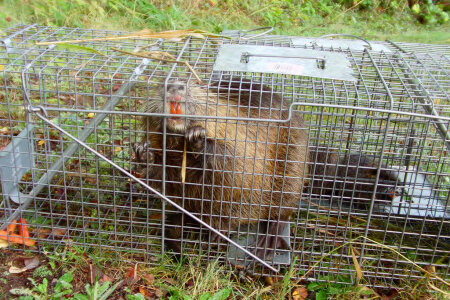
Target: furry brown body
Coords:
[[349, 178], [237, 172]]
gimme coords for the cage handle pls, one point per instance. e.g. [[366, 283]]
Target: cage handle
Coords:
[[245, 58], [369, 45]]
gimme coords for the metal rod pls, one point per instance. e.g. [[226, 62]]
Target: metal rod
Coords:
[[338, 106], [246, 58], [180, 208]]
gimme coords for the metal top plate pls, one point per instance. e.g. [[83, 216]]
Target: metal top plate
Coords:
[[282, 60]]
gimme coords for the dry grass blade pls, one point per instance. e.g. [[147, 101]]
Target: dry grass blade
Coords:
[[80, 48], [146, 34], [160, 55], [359, 274], [183, 165], [376, 244]]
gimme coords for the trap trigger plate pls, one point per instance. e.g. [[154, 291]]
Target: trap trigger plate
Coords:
[[15, 162]]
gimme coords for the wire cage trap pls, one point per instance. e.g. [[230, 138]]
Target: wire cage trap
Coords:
[[343, 150]]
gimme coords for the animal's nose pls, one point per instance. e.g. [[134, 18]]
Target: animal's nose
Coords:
[[176, 98]]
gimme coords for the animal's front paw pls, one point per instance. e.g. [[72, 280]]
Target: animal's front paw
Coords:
[[195, 138], [143, 153]]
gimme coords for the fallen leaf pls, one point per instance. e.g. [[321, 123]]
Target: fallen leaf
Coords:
[[148, 278], [59, 231], [94, 274], [106, 278], [268, 280], [41, 142], [359, 274], [31, 263], [143, 291], [3, 244], [17, 270], [300, 293], [131, 276], [189, 283], [28, 264], [117, 149], [90, 115]]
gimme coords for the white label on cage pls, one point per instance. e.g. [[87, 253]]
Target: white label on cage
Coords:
[[343, 44], [284, 60]]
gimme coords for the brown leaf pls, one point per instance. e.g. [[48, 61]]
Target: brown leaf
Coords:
[[22, 264], [359, 274], [189, 283], [299, 293], [3, 244], [94, 274], [31, 263], [131, 276], [268, 280], [106, 278], [143, 291], [59, 232], [148, 278]]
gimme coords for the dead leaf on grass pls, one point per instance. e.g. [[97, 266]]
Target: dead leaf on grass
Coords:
[[94, 274], [300, 293], [148, 278], [131, 276], [359, 273], [22, 264], [3, 244]]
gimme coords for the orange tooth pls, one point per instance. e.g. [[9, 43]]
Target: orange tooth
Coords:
[[179, 112], [172, 108]]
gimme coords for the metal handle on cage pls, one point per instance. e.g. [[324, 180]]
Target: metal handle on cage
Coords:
[[369, 45], [245, 58]]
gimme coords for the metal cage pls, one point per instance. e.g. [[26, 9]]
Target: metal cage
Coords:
[[374, 139]]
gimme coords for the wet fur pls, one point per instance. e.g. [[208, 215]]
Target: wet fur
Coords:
[[237, 173]]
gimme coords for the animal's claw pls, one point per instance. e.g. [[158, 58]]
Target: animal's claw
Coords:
[[143, 153]]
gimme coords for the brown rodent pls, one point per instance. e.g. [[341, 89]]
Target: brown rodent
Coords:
[[246, 171], [349, 178], [237, 172]]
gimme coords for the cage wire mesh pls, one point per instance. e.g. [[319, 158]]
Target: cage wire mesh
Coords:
[[366, 157]]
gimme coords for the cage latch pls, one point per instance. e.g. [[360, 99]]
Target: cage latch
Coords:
[[245, 58]]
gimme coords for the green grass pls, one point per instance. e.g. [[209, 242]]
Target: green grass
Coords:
[[308, 19]]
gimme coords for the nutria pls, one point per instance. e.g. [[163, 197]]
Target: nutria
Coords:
[[230, 178], [237, 172], [349, 178]]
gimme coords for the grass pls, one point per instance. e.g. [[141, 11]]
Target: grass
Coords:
[[85, 275], [309, 19]]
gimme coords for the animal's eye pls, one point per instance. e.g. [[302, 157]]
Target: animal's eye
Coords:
[[180, 88]]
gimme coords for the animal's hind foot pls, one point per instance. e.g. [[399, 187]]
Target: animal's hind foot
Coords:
[[267, 244]]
